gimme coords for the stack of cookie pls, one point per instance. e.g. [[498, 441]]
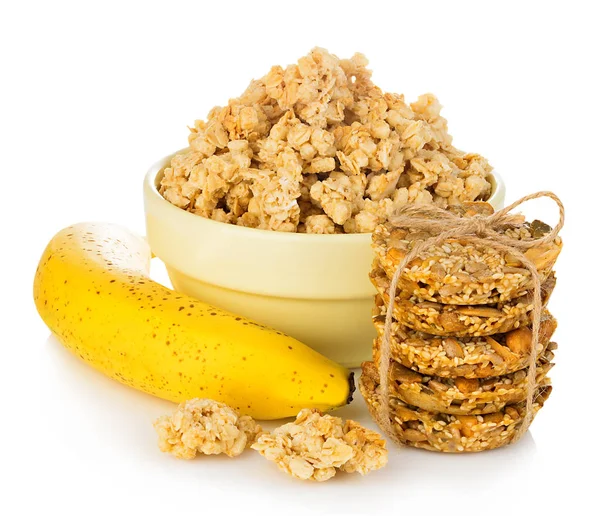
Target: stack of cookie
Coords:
[[461, 337]]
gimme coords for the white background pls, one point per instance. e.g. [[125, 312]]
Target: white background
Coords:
[[92, 93]]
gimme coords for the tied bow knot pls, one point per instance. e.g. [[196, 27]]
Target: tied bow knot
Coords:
[[480, 226]]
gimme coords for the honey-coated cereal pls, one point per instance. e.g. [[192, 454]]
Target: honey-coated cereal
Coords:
[[318, 148]]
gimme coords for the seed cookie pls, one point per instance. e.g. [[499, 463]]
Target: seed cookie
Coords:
[[458, 320], [464, 396], [470, 357], [458, 272], [436, 431]]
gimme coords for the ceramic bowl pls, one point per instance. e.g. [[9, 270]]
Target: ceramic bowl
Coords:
[[313, 287]]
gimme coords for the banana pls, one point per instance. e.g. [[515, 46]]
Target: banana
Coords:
[[92, 289]]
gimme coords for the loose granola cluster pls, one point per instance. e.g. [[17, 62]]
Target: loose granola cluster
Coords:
[[318, 148], [205, 426], [315, 446], [311, 448]]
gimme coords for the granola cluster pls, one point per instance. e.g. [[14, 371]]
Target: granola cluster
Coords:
[[205, 426], [315, 446], [318, 148]]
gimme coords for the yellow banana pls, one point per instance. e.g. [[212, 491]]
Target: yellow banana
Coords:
[[93, 291]]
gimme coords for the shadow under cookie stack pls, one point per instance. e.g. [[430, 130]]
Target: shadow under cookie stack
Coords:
[[460, 337]]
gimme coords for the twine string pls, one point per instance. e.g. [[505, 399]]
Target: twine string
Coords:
[[479, 230]]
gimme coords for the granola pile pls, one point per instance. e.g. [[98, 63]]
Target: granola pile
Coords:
[[318, 148], [461, 336]]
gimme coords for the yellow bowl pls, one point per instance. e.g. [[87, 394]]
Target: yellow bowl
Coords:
[[313, 287]]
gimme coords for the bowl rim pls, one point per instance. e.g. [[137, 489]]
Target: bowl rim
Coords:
[[157, 168]]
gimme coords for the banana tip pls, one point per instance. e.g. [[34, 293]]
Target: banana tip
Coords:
[[352, 387]]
